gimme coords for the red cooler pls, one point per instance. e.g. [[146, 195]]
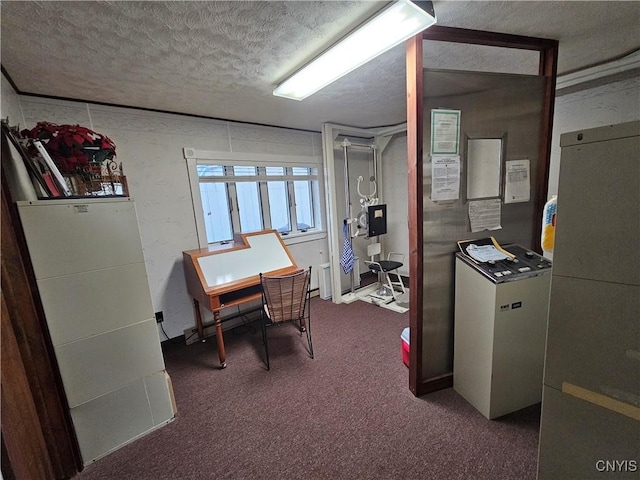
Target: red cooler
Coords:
[[405, 338]]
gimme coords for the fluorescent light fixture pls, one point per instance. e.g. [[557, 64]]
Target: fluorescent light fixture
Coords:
[[395, 24]]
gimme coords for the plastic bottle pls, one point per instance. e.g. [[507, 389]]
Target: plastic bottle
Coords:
[[549, 224]]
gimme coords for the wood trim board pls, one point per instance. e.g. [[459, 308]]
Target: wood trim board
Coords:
[[548, 49]]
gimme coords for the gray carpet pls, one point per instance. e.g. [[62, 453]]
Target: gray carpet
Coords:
[[347, 414]]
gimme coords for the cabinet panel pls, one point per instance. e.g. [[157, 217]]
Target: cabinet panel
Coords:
[[66, 237], [96, 302], [576, 435], [593, 327], [475, 305], [519, 339], [111, 420], [103, 363], [159, 391], [598, 224]]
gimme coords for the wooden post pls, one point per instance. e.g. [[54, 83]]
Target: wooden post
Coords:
[[415, 204]]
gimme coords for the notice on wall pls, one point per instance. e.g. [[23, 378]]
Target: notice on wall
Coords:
[[445, 132], [517, 186], [485, 214], [445, 178]]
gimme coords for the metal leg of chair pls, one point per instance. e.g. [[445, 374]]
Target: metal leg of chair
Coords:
[[383, 280], [388, 285], [400, 282], [309, 342], [393, 284], [264, 340]]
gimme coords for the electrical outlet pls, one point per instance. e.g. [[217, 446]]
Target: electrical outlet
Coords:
[[159, 317]]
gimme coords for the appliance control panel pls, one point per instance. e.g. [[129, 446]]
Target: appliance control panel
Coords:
[[524, 263]]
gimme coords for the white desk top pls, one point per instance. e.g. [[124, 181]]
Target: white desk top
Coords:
[[266, 253]]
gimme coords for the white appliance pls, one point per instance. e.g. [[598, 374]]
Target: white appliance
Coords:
[[590, 426], [499, 331], [90, 271]]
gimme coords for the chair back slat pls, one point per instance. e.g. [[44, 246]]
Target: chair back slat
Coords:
[[286, 296]]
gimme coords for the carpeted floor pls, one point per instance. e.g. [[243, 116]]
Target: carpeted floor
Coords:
[[347, 414]]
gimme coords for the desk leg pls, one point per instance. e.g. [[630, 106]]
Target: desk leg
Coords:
[[221, 353], [196, 309]]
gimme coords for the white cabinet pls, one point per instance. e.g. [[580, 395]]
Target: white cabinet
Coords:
[[499, 334], [591, 399], [89, 266]]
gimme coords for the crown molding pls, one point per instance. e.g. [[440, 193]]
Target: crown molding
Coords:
[[616, 67]]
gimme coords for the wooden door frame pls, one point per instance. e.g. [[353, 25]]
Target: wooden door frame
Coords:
[[547, 68], [38, 438]]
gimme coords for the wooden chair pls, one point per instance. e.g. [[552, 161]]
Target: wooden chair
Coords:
[[286, 299]]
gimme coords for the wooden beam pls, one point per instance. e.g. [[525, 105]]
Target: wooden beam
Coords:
[[24, 321], [490, 39], [548, 69], [415, 204], [414, 67], [21, 432]]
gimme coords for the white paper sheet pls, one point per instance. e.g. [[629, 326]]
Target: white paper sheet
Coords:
[[485, 214], [484, 253], [518, 181], [445, 132], [445, 178]]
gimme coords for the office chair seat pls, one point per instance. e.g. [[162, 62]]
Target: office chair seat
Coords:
[[386, 265], [384, 268]]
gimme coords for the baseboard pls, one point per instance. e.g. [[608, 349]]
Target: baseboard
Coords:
[[434, 384]]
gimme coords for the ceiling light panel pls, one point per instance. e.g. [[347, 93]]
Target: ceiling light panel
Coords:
[[384, 31]]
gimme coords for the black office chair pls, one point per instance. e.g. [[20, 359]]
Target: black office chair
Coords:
[[286, 299], [383, 268]]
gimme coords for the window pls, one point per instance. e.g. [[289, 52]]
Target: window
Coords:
[[243, 199]]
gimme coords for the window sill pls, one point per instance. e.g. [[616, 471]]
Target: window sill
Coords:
[[292, 239]]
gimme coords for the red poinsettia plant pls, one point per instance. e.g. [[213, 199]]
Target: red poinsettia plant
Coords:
[[72, 147]]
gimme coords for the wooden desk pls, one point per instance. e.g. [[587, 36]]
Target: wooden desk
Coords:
[[225, 277]]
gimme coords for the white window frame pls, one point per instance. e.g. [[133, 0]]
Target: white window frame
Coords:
[[196, 157]]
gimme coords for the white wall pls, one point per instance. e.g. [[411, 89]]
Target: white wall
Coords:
[[10, 103], [394, 193], [609, 104], [149, 145]]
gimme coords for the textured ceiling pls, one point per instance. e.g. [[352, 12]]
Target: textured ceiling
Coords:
[[223, 59]]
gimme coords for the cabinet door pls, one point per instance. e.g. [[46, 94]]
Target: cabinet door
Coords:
[[577, 438], [598, 224], [95, 302], [592, 334], [103, 363], [70, 237]]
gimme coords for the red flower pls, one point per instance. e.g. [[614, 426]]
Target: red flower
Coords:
[[72, 147]]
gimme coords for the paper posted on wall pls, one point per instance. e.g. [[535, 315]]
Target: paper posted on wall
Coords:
[[485, 214], [445, 178], [445, 132], [518, 181]]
